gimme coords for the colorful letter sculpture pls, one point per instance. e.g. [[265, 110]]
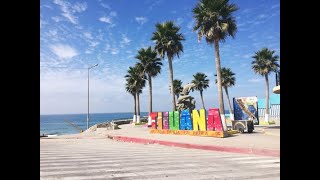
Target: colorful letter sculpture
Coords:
[[185, 120], [165, 120], [199, 120], [153, 116], [159, 121], [217, 119], [184, 123]]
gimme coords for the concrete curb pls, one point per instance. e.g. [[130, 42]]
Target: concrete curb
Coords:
[[262, 152]]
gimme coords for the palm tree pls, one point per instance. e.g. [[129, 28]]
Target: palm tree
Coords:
[[215, 22], [201, 83], [168, 41], [136, 81], [177, 87], [151, 66], [227, 80], [265, 63], [278, 77], [131, 90]]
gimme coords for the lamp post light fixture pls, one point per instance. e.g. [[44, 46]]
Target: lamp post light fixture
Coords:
[[88, 94]]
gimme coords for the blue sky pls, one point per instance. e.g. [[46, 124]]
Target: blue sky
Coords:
[[76, 34]]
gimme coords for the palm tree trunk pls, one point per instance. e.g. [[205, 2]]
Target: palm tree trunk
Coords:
[[229, 104], [171, 81], [135, 109], [138, 116], [218, 67], [177, 97], [150, 98], [150, 93], [202, 100], [266, 116]]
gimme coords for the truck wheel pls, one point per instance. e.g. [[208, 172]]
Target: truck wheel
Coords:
[[240, 130]]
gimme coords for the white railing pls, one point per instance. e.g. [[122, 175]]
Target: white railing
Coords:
[[274, 111]]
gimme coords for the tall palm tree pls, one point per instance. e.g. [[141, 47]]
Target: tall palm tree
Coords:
[[201, 83], [215, 22], [177, 87], [136, 80], [131, 90], [227, 80], [278, 77], [168, 41], [265, 63], [151, 66]]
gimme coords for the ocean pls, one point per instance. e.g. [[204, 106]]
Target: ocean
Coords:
[[56, 124]]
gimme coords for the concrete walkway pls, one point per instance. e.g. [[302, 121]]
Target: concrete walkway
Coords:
[[93, 157], [263, 141]]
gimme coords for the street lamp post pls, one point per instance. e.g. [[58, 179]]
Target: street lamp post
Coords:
[[88, 94]]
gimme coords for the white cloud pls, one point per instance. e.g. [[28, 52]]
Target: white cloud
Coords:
[[47, 6], [88, 35], [105, 19], [247, 56], [79, 7], [141, 20], [73, 19], [130, 56], [113, 13], [155, 4], [65, 8], [270, 37], [241, 24], [243, 65], [274, 6], [255, 80], [114, 51], [65, 91], [105, 6], [88, 51], [107, 48], [69, 10], [179, 21], [125, 40], [190, 24], [56, 18], [94, 43], [63, 51], [52, 33], [245, 11], [262, 16], [42, 22]]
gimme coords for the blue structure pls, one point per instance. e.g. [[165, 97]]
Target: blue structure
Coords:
[[273, 99]]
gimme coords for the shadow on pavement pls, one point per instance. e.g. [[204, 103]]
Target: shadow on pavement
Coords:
[[273, 127]]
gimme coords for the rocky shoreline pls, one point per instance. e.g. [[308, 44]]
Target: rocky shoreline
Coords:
[[110, 125]]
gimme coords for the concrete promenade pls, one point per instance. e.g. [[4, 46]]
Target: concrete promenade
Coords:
[[101, 155], [263, 141], [102, 158]]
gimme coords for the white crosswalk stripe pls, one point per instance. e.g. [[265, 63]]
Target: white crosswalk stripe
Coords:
[[106, 159]]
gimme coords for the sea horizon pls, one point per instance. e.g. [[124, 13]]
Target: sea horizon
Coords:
[[226, 112], [85, 113]]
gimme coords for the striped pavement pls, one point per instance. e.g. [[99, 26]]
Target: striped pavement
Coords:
[[77, 159]]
